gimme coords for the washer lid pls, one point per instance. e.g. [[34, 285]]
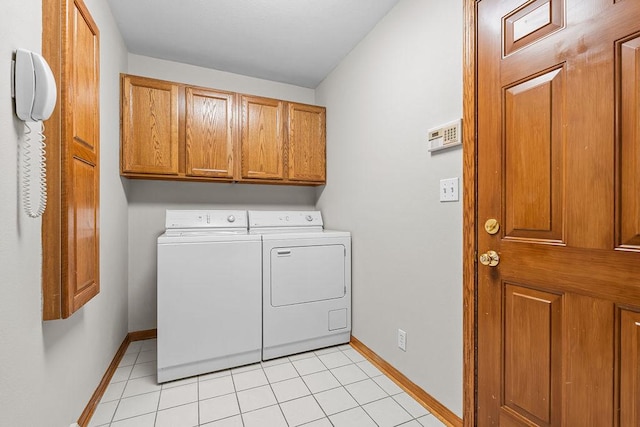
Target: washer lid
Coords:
[[203, 220]]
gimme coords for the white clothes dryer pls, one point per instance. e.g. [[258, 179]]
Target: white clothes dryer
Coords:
[[306, 282], [209, 293]]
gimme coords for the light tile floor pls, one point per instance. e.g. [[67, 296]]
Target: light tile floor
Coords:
[[335, 386]]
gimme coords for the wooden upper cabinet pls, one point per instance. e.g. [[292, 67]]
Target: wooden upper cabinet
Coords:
[[149, 126], [262, 140], [209, 140], [306, 133], [180, 132]]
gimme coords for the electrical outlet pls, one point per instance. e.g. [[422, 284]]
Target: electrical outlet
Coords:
[[402, 340], [449, 190]]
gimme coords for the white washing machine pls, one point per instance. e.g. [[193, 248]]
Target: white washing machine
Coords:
[[306, 282], [209, 293]]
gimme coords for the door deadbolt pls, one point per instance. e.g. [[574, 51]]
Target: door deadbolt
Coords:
[[492, 226]]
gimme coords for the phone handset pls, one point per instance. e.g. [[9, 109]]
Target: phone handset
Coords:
[[34, 89]]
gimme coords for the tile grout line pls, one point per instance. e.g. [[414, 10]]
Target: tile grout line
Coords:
[[314, 395], [125, 387], [300, 376], [155, 418], [274, 393], [120, 399], [198, 398], [353, 397], [235, 392], [260, 366]]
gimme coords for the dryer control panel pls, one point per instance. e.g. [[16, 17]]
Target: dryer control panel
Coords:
[[260, 219]]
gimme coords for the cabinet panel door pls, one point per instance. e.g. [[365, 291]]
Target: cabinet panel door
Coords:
[[149, 126], [81, 200], [306, 127], [209, 133], [262, 142]]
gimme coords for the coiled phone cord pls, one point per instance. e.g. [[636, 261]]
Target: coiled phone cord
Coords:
[[42, 172]]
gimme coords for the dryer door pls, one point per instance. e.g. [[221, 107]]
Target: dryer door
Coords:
[[301, 274]]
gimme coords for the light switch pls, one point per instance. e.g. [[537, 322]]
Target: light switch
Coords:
[[449, 190]]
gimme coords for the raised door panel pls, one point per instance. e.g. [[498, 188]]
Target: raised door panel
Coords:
[[262, 142], [534, 20], [81, 254], [83, 226], [589, 361], [306, 133], [532, 333], [149, 126], [629, 376], [84, 92], [534, 158], [209, 133], [628, 63]]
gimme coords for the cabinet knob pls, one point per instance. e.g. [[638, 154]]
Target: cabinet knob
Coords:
[[231, 218]]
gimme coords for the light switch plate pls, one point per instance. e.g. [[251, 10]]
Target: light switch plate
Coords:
[[449, 190]]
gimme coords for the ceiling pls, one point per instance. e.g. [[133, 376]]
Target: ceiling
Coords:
[[291, 41]]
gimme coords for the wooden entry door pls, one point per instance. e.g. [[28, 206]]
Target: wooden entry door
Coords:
[[558, 164]]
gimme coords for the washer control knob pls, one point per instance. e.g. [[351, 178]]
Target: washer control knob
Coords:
[[309, 218], [231, 218]]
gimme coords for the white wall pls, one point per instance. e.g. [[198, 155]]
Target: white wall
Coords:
[[404, 78], [48, 370], [148, 200]]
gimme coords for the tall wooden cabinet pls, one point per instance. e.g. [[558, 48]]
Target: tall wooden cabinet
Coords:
[[180, 132], [70, 227]]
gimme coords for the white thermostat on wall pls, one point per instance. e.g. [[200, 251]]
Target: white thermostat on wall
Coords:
[[445, 136]]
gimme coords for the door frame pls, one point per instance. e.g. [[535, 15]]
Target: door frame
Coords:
[[470, 210]]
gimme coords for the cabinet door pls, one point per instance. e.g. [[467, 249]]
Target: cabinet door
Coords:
[[262, 153], [209, 133], [306, 126], [82, 166], [70, 229], [149, 126]]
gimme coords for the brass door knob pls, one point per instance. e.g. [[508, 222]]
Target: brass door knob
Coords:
[[490, 258]]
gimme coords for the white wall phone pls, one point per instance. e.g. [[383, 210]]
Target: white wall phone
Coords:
[[34, 89]]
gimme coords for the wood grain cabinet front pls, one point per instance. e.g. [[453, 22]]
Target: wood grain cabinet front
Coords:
[[71, 222], [179, 132], [149, 126], [209, 140], [306, 143], [262, 140]]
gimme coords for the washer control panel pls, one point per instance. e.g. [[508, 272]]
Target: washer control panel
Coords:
[[205, 219]]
